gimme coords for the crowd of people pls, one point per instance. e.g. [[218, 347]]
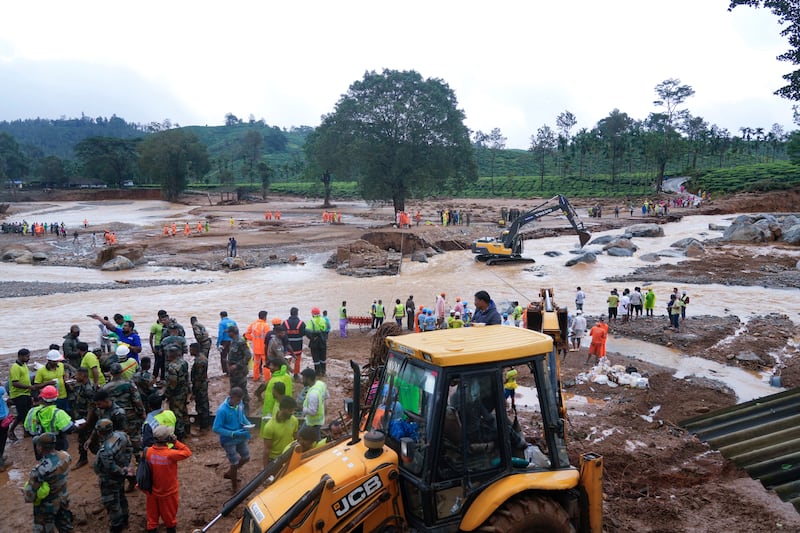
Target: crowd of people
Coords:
[[35, 229], [127, 407]]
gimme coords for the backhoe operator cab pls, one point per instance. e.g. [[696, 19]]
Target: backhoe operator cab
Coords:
[[462, 462]]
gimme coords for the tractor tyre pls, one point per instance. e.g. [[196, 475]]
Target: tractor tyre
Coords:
[[528, 514]]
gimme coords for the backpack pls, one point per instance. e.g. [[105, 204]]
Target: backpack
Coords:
[[144, 475]]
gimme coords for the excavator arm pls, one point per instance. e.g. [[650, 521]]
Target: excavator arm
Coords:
[[509, 237]]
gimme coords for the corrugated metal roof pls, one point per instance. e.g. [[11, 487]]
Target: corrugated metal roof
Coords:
[[762, 437]]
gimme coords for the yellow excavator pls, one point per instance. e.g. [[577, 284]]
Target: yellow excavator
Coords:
[[508, 247], [436, 449]]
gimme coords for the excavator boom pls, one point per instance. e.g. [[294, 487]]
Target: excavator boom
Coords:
[[508, 247]]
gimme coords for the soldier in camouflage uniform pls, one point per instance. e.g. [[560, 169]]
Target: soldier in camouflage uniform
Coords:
[[104, 407], [201, 336], [126, 395], [174, 336], [112, 465], [46, 488], [177, 389], [143, 378], [70, 346], [239, 357], [81, 399], [199, 376]]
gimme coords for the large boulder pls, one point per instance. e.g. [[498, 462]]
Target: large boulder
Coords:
[[39, 257], [234, 263], [644, 230], [588, 257], [419, 256], [13, 253], [746, 232], [684, 243], [620, 252], [717, 227], [695, 249], [605, 239], [792, 235], [24, 259], [621, 242], [120, 262]]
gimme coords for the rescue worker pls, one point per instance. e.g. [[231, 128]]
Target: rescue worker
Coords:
[[295, 331], [128, 364], [231, 424], [410, 308], [143, 379], [315, 331], [70, 346], [52, 373], [175, 335], [177, 389], [257, 333], [279, 431], [199, 389], [19, 392], [91, 363], [238, 358], [47, 418], [399, 312], [125, 394], [223, 339], [314, 401], [104, 407], [280, 374], [81, 398], [112, 466], [201, 336], [343, 320], [158, 416], [158, 332], [46, 487], [380, 314], [162, 500]]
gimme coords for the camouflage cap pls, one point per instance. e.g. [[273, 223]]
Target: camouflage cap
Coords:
[[115, 369], [104, 425], [45, 440]]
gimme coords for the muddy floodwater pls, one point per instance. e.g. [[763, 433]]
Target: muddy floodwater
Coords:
[[278, 288]]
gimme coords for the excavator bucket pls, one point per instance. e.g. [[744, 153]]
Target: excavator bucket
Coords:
[[583, 237]]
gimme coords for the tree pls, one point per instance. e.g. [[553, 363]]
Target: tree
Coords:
[[108, 159], [232, 120], [171, 157], [696, 131], [542, 145], [479, 140], [52, 170], [264, 173], [496, 142], [662, 142], [787, 12], [613, 131], [326, 181], [399, 135], [671, 94], [13, 163], [793, 148], [251, 151], [565, 121]]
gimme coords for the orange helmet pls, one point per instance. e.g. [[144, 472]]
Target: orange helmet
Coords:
[[276, 321], [49, 394], [315, 311]]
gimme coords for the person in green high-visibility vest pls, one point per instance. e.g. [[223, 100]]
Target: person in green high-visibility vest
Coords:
[[399, 312], [343, 320], [380, 313]]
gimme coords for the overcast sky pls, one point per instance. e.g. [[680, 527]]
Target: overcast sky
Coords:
[[513, 65]]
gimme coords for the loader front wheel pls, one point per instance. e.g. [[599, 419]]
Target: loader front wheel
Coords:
[[528, 514]]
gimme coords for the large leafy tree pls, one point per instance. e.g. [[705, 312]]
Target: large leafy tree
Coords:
[[107, 159], [542, 145], [613, 134], [171, 157], [53, 171], [400, 135], [671, 94], [252, 142], [497, 142], [13, 163], [788, 13]]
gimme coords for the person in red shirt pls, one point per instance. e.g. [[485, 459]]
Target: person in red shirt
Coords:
[[162, 501]]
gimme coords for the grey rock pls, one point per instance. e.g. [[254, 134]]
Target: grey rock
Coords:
[[118, 263], [552, 253], [650, 258], [605, 239], [792, 235], [12, 254], [24, 259], [588, 257], [644, 230], [695, 249], [621, 242], [619, 252], [749, 356], [671, 253], [684, 243], [420, 257], [745, 233], [717, 227], [39, 257]]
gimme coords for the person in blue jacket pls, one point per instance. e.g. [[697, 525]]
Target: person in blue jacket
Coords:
[[485, 310], [233, 429]]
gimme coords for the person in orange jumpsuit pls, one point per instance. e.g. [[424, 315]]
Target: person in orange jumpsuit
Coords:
[[416, 318], [187, 230], [174, 229], [166, 230], [277, 215], [199, 227], [257, 333], [599, 334], [162, 501]]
